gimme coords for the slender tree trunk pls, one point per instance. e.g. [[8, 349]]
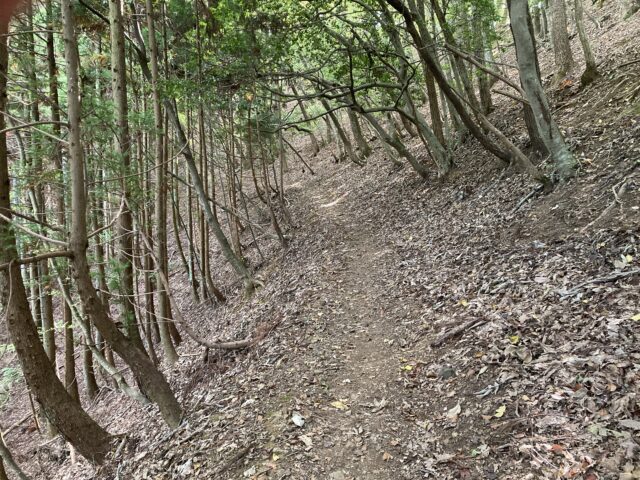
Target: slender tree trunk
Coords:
[[544, 17], [314, 141], [6, 457], [529, 75], [123, 148], [236, 263], [329, 130], [507, 152], [633, 7], [150, 379], [341, 133], [356, 130], [396, 143], [433, 140], [591, 69], [164, 309]]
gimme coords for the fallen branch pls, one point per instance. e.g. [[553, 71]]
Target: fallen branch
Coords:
[[596, 281], [299, 156], [526, 198], [455, 331], [15, 425], [616, 199], [633, 62], [235, 458], [511, 96]]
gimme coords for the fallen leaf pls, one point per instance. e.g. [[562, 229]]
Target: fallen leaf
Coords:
[[339, 405], [500, 411], [297, 419], [556, 448], [453, 413], [632, 424], [306, 440], [636, 317], [514, 339], [481, 451], [249, 472], [386, 456], [464, 302]]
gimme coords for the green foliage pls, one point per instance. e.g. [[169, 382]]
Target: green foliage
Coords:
[[9, 376]]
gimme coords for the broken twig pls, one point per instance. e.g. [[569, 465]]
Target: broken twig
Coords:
[[455, 331], [595, 281]]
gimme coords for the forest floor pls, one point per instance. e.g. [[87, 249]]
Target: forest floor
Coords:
[[464, 328]]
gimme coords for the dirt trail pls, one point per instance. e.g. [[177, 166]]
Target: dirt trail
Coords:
[[361, 422]]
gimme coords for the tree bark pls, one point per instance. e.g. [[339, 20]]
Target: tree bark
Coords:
[[152, 382], [123, 148], [66, 415], [527, 65], [560, 38], [591, 69], [356, 130], [164, 309]]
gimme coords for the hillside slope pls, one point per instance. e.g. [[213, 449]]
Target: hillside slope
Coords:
[[463, 328]]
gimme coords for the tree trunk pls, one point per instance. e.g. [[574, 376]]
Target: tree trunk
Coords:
[[527, 65], [633, 7], [396, 143], [509, 152], [356, 130], [6, 457], [341, 133], [66, 415], [164, 309], [560, 38], [314, 141], [591, 69], [152, 382], [123, 148]]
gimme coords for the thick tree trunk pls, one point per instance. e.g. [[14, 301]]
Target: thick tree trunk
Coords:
[[527, 65], [66, 415], [560, 38]]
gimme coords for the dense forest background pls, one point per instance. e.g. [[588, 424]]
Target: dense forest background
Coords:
[[319, 239]]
